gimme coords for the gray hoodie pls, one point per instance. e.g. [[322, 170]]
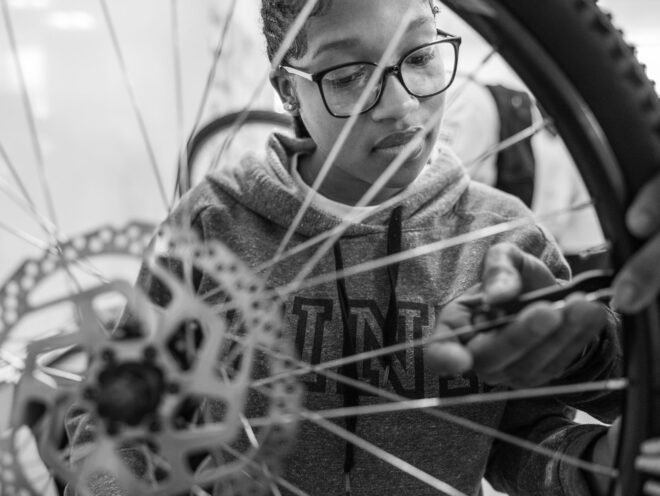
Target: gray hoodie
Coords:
[[250, 208]]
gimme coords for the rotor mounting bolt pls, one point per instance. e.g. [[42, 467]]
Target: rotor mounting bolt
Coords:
[[192, 326], [155, 425]]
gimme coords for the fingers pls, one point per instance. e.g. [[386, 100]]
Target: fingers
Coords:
[[542, 343], [538, 347], [649, 461], [643, 216], [509, 271], [652, 488], [448, 358], [639, 281], [495, 352]]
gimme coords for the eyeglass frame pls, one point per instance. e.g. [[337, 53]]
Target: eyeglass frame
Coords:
[[316, 77]]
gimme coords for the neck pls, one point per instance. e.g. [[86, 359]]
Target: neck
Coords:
[[334, 184]]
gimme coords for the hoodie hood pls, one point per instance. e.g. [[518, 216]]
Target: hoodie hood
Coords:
[[266, 187]]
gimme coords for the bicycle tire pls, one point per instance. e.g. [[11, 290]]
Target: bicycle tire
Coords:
[[560, 67], [225, 122]]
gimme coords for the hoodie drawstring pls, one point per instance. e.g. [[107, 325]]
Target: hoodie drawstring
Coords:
[[351, 395], [392, 316]]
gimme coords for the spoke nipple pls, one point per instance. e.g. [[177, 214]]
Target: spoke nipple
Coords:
[[108, 355], [150, 353], [89, 393], [112, 428]]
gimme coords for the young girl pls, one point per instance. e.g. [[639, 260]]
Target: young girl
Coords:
[[429, 198]]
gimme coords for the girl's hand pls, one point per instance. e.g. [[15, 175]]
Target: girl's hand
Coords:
[[537, 347]]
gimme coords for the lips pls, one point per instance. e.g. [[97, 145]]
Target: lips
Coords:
[[397, 139]]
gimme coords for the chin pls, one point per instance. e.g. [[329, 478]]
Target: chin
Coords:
[[406, 175]]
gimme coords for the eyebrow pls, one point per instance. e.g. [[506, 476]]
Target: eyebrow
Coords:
[[350, 42]]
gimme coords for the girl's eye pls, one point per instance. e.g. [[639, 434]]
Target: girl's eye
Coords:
[[346, 77], [421, 57]]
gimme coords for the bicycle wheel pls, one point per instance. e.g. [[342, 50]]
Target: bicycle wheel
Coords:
[[585, 109], [214, 139]]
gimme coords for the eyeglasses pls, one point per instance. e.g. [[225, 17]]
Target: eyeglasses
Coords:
[[424, 71]]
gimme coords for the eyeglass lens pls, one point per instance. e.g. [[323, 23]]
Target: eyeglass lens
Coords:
[[425, 72]]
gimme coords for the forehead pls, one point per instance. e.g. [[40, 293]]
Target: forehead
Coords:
[[351, 25]]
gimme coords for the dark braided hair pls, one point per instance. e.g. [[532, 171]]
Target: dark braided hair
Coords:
[[278, 16]]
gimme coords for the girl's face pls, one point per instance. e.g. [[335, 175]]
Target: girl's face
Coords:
[[360, 30]]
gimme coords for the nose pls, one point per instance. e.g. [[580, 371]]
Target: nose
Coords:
[[395, 101]]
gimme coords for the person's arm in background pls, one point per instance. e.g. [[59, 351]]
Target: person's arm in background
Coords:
[[637, 285], [638, 282]]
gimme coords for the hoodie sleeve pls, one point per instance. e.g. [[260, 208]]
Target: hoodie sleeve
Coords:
[[546, 423], [601, 360]]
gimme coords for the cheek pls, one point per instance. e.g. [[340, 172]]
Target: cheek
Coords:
[[434, 106], [313, 112], [323, 127], [434, 109]]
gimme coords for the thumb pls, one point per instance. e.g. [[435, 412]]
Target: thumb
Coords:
[[508, 271]]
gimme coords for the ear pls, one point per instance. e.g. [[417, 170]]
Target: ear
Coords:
[[285, 88]]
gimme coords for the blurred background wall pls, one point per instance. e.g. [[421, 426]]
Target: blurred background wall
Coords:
[[95, 158]]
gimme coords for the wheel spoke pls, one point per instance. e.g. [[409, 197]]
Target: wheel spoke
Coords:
[[51, 227], [469, 399], [482, 429], [461, 87], [29, 114], [217, 54], [513, 140], [178, 98], [291, 35], [17, 179], [134, 102], [278, 480], [383, 455], [402, 256]]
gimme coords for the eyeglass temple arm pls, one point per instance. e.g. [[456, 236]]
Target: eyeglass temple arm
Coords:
[[445, 33], [291, 70]]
